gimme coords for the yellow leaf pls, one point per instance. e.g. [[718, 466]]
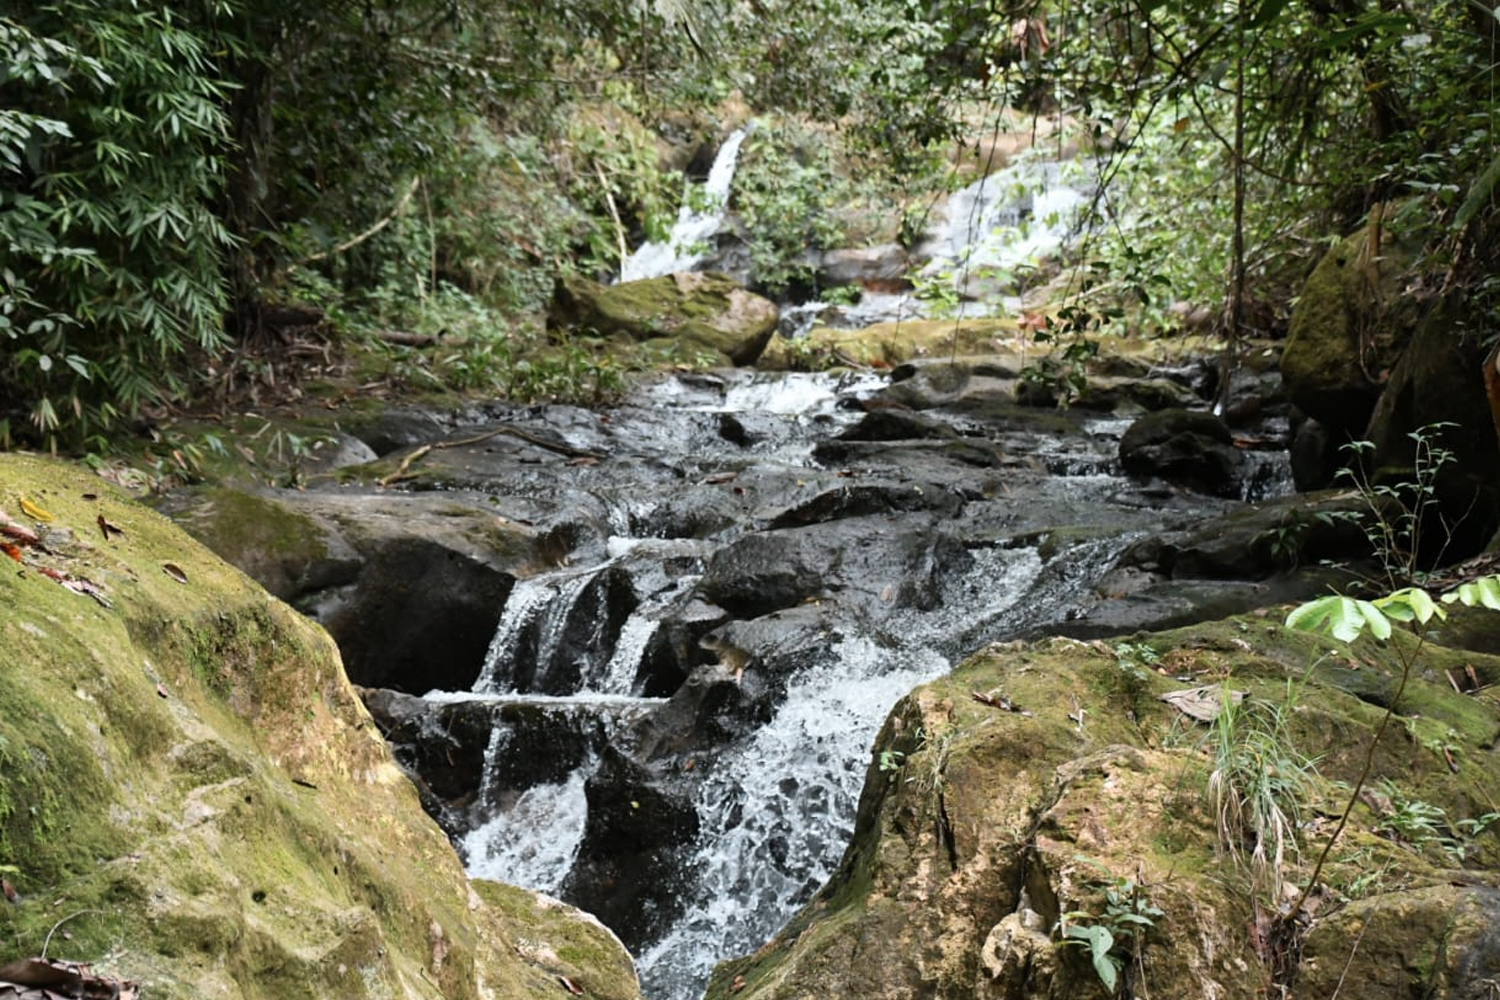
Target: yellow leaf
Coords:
[[34, 512]]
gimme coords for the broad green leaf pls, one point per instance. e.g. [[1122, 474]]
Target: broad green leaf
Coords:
[[1100, 941], [1409, 604], [1380, 625], [1334, 615], [1484, 591]]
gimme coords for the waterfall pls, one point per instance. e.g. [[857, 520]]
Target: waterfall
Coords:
[[698, 220]]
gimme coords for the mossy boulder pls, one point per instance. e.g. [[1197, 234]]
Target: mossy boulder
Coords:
[[1436, 393], [192, 797], [1352, 321], [1046, 786], [410, 586], [690, 314], [886, 345]]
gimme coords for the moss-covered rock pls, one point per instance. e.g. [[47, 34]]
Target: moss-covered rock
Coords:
[[1351, 323], [1048, 785], [694, 313], [192, 796]]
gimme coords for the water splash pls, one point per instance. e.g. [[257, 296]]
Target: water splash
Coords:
[[527, 600], [698, 220], [534, 841]]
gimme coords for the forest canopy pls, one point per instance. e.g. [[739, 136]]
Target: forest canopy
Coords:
[[175, 177]]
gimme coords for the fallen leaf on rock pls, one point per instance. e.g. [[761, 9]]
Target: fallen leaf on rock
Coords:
[[1202, 703], [175, 572], [34, 512]]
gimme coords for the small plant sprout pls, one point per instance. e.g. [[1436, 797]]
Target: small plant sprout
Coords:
[[1116, 935]]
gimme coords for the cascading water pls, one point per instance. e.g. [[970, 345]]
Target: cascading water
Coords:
[[980, 242], [775, 803], [772, 790], [698, 220]]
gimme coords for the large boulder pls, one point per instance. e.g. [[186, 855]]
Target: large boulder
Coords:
[[411, 587], [1435, 401], [1352, 321], [696, 313], [193, 798], [1045, 794]]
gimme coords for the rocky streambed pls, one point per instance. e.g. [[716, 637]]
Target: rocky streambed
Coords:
[[635, 656]]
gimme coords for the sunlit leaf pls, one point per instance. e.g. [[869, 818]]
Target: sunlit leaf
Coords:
[[1484, 592], [34, 512]]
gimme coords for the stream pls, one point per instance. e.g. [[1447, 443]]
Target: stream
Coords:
[[677, 718]]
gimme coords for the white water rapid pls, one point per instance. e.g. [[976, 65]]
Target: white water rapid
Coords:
[[698, 220]]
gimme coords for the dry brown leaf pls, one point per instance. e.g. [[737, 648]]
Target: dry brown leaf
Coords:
[[1202, 703]]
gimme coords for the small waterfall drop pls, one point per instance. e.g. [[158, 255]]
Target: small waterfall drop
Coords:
[[698, 220]]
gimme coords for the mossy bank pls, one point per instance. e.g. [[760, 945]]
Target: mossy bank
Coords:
[[1045, 792], [192, 797]]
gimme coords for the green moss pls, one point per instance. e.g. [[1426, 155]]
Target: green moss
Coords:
[[189, 785]]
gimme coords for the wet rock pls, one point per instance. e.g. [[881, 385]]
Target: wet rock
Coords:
[[419, 617], [875, 564], [866, 497], [766, 571], [411, 588], [1111, 394], [390, 429], [890, 424], [1317, 455], [884, 266], [629, 871], [1436, 382], [703, 312], [1192, 448]]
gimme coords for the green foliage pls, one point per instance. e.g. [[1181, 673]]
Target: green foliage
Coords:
[[1257, 786], [110, 168], [785, 191], [1115, 935]]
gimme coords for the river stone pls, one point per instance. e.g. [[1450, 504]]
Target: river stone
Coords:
[[410, 587], [695, 311], [634, 849], [1191, 448], [882, 266], [1440, 380]]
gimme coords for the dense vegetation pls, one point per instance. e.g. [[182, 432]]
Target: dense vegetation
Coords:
[[175, 178]]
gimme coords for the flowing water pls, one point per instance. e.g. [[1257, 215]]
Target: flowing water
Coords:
[[775, 800], [698, 220]]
